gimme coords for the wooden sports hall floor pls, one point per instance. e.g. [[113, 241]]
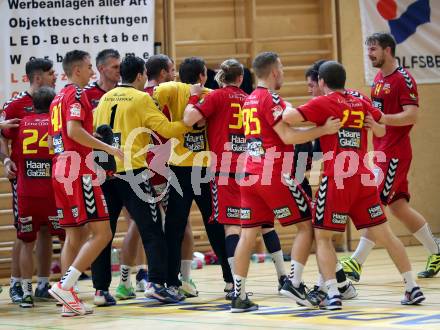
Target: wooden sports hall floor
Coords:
[[376, 307]]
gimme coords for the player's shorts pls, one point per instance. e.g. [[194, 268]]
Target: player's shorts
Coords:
[[35, 212], [79, 203], [394, 185], [282, 199], [333, 206], [225, 193], [14, 201]]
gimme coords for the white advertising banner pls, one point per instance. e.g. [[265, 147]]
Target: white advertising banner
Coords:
[[415, 24], [51, 28]]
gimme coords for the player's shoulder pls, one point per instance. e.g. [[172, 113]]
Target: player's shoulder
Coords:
[[18, 99], [404, 75], [91, 86]]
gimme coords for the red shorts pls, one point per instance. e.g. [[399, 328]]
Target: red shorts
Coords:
[[83, 203], [333, 206], [394, 185], [225, 193], [283, 199], [35, 212]]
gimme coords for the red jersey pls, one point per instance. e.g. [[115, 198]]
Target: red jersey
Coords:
[[94, 93], [390, 94], [70, 104], [262, 110], [35, 160], [352, 136], [19, 107], [222, 109]]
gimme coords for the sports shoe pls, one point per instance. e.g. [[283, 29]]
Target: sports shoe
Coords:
[[239, 305], [188, 289], [65, 312], [68, 298], [176, 292], [331, 303], [298, 294], [229, 289], [103, 299], [16, 293], [141, 280], [281, 281], [316, 295], [1, 289], [43, 293], [348, 291], [351, 268], [432, 267], [123, 293], [161, 293], [27, 301], [414, 297]]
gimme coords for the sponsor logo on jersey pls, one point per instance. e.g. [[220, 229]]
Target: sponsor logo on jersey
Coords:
[[25, 224], [60, 213], [75, 212], [277, 111], [28, 109], [413, 96], [233, 212], [116, 140], [375, 211], [339, 218], [245, 214], [254, 147], [38, 168], [55, 222], [238, 142], [378, 103], [282, 212], [387, 88], [75, 110], [349, 138], [195, 141], [58, 146]]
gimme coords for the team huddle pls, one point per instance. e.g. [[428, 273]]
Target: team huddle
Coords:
[[139, 142]]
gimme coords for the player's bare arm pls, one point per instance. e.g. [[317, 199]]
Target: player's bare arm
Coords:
[[408, 116], [10, 123], [191, 115], [378, 130]]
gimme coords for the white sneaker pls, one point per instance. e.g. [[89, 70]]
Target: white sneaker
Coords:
[[141, 285], [348, 291], [188, 289], [76, 288], [68, 298], [65, 312]]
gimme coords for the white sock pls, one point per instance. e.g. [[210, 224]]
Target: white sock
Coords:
[[363, 250], [321, 283], [41, 282], [278, 260], [410, 283], [125, 276], [185, 270], [14, 280], [68, 280], [231, 265], [139, 267], [332, 287], [424, 236], [26, 285], [239, 286], [296, 270]]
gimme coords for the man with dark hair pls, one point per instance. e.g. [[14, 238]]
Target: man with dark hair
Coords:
[[273, 192], [107, 63], [40, 73], [189, 163], [34, 187], [394, 91], [131, 114], [342, 192], [78, 199]]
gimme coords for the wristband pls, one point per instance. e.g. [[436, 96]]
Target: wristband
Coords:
[[193, 99]]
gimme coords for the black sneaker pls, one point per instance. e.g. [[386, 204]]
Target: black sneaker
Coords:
[[281, 281], [414, 297], [239, 305], [175, 291], [229, 290], [43, 293], [316, 296], [16, 293], [27, 301], [103, 299], [161, 293], [331, 303], [298, 294]]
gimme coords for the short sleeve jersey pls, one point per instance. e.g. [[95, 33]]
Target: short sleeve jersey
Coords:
[[35, 159], [70, 104], [19, 107], [94, 93], [222, 109], [351, 137], [389, 94], [262, 110]]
